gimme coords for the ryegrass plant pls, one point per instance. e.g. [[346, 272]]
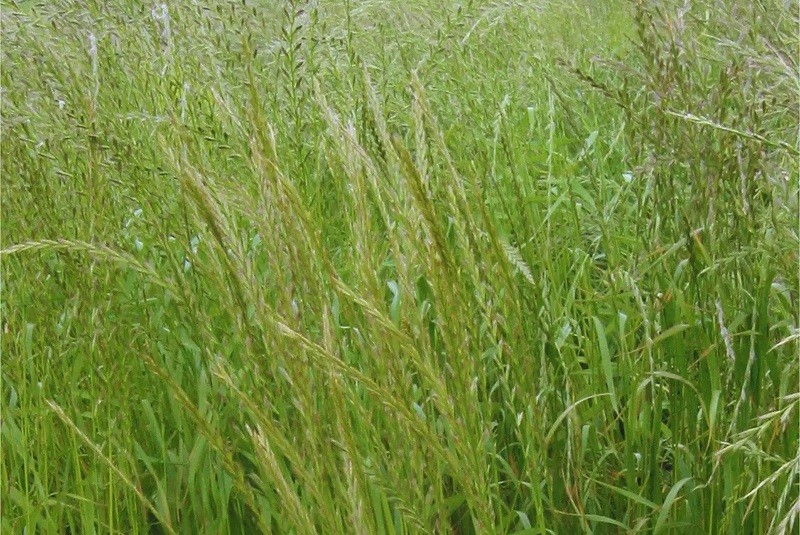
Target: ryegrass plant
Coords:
[[383, 267]]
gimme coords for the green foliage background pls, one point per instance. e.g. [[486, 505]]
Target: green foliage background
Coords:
[[399, 267]]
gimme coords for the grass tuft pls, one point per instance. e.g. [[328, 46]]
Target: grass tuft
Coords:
[[398, 268]]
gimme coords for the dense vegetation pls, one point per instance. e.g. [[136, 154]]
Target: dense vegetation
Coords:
[[400, 267]]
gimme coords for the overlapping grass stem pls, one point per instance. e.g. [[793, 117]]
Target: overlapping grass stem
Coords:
[[399, 267]]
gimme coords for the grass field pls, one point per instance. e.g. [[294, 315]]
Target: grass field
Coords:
[[383, 267]]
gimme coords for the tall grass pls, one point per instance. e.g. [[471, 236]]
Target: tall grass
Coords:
[[377, 267]]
